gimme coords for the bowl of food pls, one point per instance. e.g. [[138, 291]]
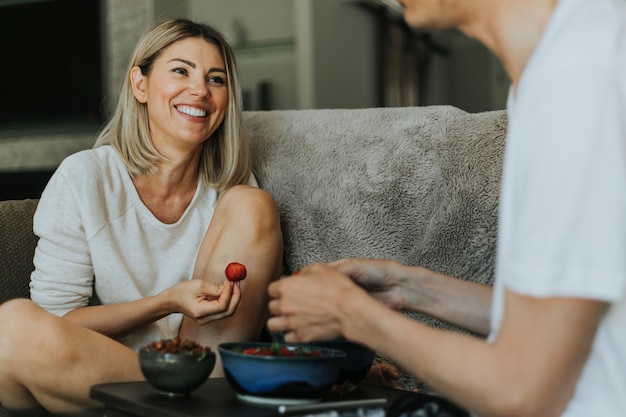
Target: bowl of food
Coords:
[[176, 367], [355, 367], [267, 373]]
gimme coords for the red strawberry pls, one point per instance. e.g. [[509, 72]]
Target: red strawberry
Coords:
[[235, 271], [258, 351]]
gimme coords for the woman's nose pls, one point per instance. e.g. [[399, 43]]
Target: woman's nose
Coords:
[[199, 88]]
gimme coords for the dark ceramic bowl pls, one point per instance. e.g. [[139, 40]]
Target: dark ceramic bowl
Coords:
[[176, 374], [358, 362], [280, 379]]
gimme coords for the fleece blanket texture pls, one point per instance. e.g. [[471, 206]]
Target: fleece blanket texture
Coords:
[[418, 185]]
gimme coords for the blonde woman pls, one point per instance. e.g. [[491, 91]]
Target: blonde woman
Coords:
[[146, 221]]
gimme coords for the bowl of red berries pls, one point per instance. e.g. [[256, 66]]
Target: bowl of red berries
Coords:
[[359, 361], [175, 367], [283, 374]]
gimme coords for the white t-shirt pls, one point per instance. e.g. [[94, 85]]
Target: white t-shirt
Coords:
[[562, 225], [95, 233]]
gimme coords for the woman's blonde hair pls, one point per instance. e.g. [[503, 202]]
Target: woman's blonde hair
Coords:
[[225, 160]]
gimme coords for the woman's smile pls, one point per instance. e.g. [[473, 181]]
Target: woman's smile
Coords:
[[186, 93], [191, 111]]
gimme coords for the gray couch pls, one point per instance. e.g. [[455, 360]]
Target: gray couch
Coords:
[[419, 185]]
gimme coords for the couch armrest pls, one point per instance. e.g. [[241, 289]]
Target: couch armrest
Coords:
[[17, 247]]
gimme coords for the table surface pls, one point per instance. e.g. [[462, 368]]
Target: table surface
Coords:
[[216, 398]]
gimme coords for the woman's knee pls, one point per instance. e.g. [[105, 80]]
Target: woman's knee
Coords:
[[251, 205], [24, 323], [14, 313], [18, 316]]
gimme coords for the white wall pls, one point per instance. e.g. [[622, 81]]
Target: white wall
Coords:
[[313, 53], [261, 19], [263, 36], [336, 55], [321, 54]]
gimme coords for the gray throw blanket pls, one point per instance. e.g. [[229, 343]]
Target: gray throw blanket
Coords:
[[418, 185]]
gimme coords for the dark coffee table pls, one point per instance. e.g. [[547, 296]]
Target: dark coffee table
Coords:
[[216, 398]]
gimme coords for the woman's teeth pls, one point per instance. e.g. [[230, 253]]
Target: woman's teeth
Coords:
[[191, 111]]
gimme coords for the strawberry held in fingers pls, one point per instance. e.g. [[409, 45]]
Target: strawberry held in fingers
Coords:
[[235, 271]]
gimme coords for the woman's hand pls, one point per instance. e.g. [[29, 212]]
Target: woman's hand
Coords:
[[201, 301], [205, 302]]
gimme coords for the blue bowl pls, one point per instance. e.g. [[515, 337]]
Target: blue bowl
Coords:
[[280, 379], [358, 362]]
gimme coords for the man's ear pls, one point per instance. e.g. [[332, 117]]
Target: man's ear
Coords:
[[137, 81]]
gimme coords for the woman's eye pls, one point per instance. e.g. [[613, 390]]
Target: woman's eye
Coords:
[[180, 71], [215, 79]]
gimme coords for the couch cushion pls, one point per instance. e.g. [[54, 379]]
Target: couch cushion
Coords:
[[17, 247], [419, 185]]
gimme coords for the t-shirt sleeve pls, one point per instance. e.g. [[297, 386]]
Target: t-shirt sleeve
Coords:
[[563, 223]]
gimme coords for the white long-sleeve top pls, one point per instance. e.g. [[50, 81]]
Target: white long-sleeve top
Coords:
[[95, 233]]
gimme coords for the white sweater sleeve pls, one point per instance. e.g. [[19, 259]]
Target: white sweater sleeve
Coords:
[[63, 277]]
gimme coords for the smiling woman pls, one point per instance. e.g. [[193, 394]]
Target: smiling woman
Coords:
[[186, 90], [156, 210]]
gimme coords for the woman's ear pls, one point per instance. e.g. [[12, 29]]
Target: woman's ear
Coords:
[[137, 81]]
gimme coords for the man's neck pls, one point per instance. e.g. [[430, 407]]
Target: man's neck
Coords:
[[512, 30]]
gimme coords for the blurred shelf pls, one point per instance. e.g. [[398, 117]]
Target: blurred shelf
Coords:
[[257, 48]]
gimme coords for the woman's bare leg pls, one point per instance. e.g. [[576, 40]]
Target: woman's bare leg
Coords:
[[245, 228], [46, 360]]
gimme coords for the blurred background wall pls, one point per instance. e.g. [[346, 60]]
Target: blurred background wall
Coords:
[[292, 54]]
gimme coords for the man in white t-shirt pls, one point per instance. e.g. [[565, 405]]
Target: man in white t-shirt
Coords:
[[555, 321]]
